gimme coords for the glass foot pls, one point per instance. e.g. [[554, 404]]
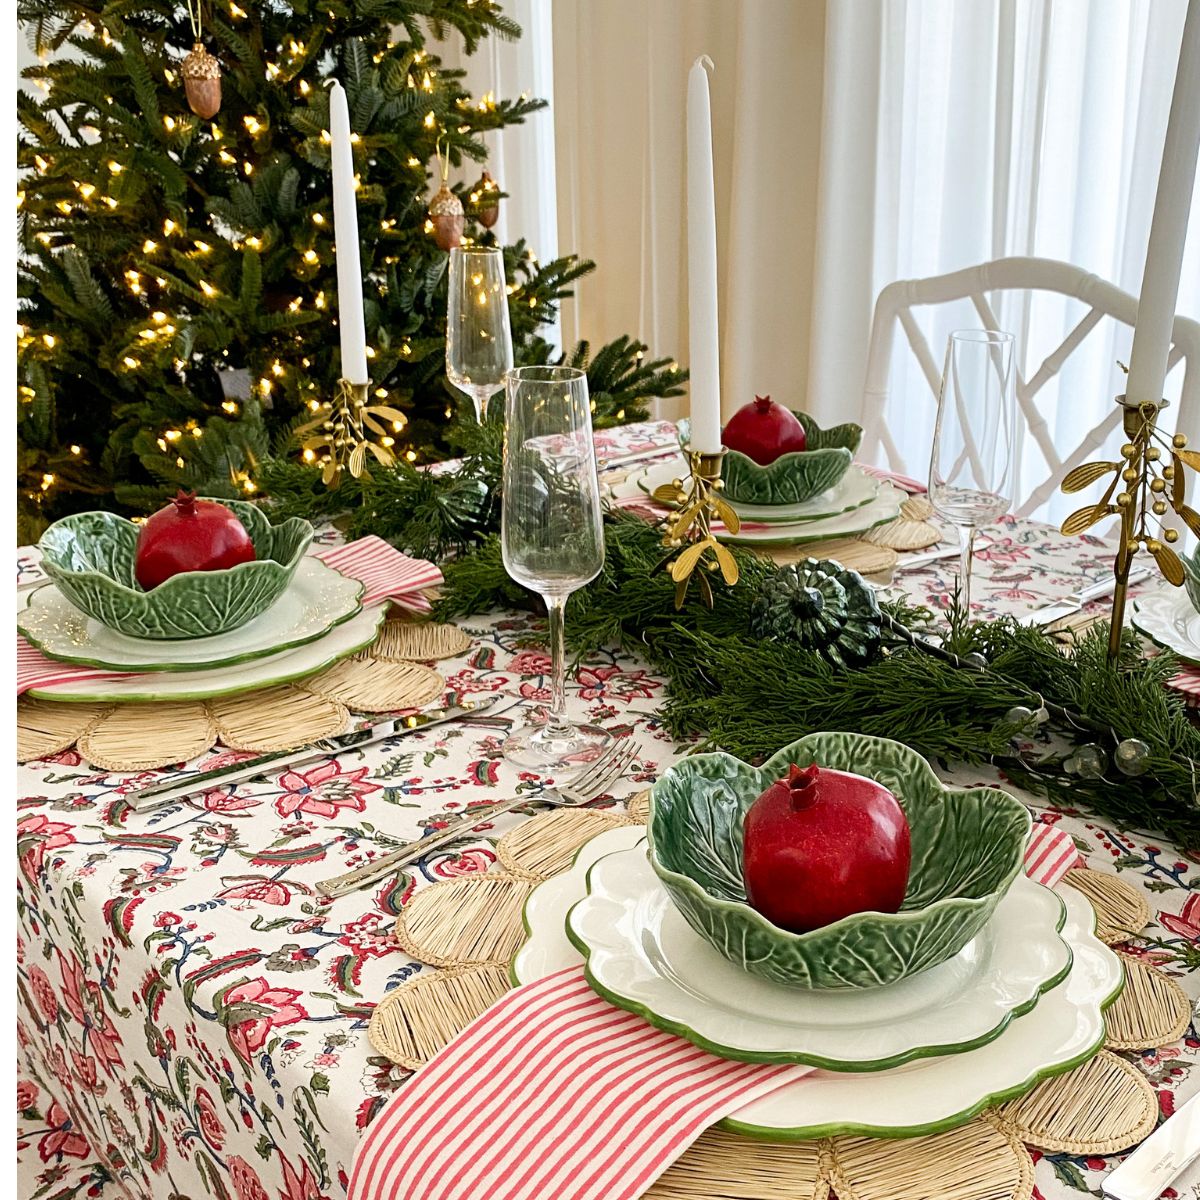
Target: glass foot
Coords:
[[560, 750]]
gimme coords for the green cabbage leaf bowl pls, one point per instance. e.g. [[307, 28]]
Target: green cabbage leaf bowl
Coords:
[[90, 558], [792, 478], [967, 847]]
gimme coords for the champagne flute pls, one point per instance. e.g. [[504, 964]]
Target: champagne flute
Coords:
[[478, 339], [551, 535], [973, 464]]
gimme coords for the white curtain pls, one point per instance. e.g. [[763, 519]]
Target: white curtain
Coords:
[[618, 104], [955, 133]]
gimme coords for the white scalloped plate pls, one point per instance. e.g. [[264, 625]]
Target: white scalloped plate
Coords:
[[855, 489], [1169, 618], [932, 1094], [340, 642], [317, 599]]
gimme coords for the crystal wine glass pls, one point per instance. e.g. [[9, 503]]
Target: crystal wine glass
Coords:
[[478, 340], [551, 535], [972, 467]]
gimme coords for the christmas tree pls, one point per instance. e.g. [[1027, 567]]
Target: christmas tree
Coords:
[[177, 283]]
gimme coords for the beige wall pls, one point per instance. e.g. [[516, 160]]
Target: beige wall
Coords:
[[620, 83]]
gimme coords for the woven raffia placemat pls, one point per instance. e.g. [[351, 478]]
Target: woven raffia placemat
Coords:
[[393, 674], [469, 927]]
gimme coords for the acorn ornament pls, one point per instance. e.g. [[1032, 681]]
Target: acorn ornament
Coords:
[[202, 82], [447, 216], [486, 194]]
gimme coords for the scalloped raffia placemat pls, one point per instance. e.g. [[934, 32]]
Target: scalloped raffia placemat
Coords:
[[118, 737], [469, 928]]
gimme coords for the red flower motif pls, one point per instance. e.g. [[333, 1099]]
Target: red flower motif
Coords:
[[596, 682], [469, 862], [35, 835], [85, 1070], [1002, 550], [253, 1009], [43, 993], [65, 758], [530, 662], [324, 790], [245, 1180], [85, 1002], [220, 801], [27, 1095], [298, 1187], [1187, 924], [209, 1119], [265, 891], [62, 1139]]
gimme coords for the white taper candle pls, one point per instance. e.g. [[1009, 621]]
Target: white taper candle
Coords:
[[1168, 229], [351, 324], [703, 330]]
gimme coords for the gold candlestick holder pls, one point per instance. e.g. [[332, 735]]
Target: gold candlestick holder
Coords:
[[1149, 487], [343, 430], [687, 532]]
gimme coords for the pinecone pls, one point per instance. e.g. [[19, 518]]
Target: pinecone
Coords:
[[821, 606]]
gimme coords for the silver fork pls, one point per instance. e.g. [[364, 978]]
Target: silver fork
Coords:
[[592, 781]]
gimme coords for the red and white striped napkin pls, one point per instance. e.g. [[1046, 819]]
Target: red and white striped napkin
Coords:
[[383, 570], [904, 482], [1187, 683], [555, 1092]]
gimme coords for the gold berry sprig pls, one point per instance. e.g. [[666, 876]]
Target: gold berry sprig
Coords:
[[690, 526], [1151, 486], [344, 435]]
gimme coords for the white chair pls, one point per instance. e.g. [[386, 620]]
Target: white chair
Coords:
[[895, 306]]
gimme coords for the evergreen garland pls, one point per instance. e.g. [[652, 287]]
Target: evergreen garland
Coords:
[[751, 696]]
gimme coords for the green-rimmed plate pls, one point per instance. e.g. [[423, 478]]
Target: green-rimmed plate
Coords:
[[317, 599], [882, 507], [927, 1096], [644, 957], [852, 491], [340, 642]]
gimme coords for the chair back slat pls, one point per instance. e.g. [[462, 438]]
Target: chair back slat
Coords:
[[896, 303]]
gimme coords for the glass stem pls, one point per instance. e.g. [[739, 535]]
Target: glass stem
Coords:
[[481, 396], [967, 535], [557, 724]]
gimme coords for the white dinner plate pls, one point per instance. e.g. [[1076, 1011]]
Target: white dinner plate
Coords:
[[340, 642], [927, 1096], [1169, 618], [643, 956], [317, 599], [852, 491], [885, 506]]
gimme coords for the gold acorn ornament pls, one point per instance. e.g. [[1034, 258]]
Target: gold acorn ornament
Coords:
[[486, 196], [201, 72], [446, 213], [447, 217], [202, 82]]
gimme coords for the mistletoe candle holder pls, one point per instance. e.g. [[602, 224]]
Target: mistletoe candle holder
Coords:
[[688, 530], [1149, 490]]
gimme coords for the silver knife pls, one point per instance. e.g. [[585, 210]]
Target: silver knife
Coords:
[[375, 730], [1071, 604], [1160, 1159]]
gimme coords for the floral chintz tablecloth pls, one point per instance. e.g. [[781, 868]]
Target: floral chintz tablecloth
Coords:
[[192, 1016]]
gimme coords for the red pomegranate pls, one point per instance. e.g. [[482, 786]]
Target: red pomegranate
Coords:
[[763, 430], [189, 535], [822, 844]]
